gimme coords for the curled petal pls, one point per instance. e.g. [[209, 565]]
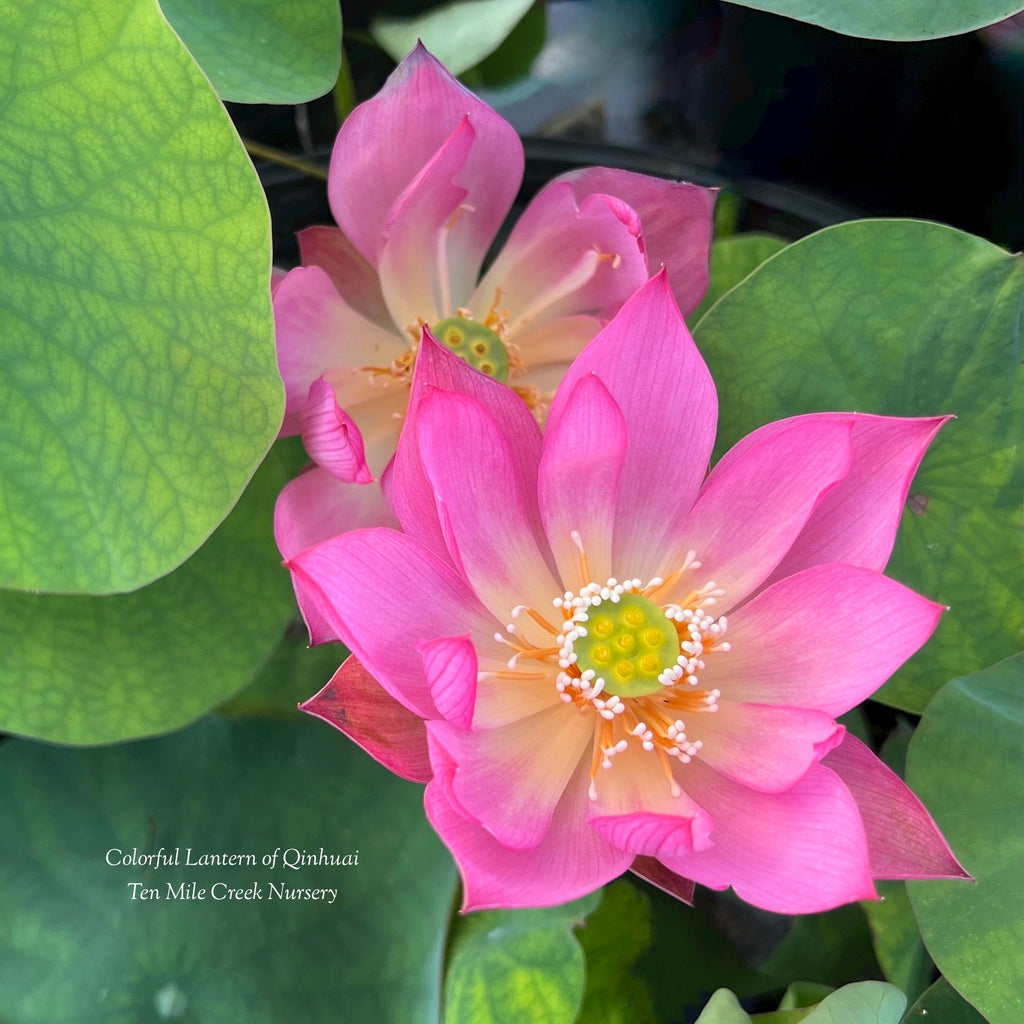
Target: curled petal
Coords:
[[450, 666], [355, 704], [385, 142], [826, 638], [650, 869], [331, 436], [571, 860], [677, 223], [903, 840]]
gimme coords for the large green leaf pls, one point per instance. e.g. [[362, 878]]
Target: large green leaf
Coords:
[[907, 19], [99, 669], [942, 1003], [864, 1002], [459, 34], [903, 318], [262, 51], [76, 947], [732, 259], [138, 384], [964, 762], [517, 966]]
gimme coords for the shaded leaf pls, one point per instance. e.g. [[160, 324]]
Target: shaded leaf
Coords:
[[901, 318], [964, 763], [898, 946], [76, 947], [942, 1003], [101, 669], [138, 382], [262, 51]]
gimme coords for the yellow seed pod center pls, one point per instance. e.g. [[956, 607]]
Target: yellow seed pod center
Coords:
[[475, 344], [628, 644]]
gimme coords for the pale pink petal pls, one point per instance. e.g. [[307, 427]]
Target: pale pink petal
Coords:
[[331, 436], [762, 746], [564, 259], [571, 861], [484, 511], [856, 521], [328, 248], [450, 666], [423, 273], [826, 638], [903, 840], [359, 583], [378, 419], [677, 222], [355, 704], [634, 808], [411, 493], [652, 369], [797, 852], [511, 779], [652, 870], [316, 331], [385, 142], [752, 508], [546, 352], [504, 696], [578, 481], [316, 505]]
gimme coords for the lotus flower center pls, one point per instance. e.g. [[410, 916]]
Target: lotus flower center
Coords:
[[474, 343], [629, 644]]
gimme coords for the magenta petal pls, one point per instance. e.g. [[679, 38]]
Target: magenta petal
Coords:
[[677, 222], [570, 862], [796, 852], [565, 259], [511, 779], [354, 278], [652, 369], [316, 505], [355, 704], [386, 141], [359, 583], [331, 436], [826, 638], [485, 514], [856, 521], [578, 481], [450, 666], [903, 840], [752, 508], [652, 870]]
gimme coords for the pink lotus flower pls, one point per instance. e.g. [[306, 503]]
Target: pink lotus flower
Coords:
[[598, 658], [421, 178]]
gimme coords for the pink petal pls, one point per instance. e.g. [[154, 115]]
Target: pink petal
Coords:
[[411, 493], [424, 273], [752, 508], [331, 436], [761, 746], [355, 704], [569, 862], [450, 666], [316, 505], [677, 223], [385, 142], [564, 259], [903, 840], [652, 870], [856, 521], [381, 592], [317, 331], [511, 779], [826, 638], [797, 852], [354, 278], [578, 480], [650, 366], [485, 513]]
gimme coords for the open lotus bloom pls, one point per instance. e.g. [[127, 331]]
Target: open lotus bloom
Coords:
[[421, 179], [599, 656]]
